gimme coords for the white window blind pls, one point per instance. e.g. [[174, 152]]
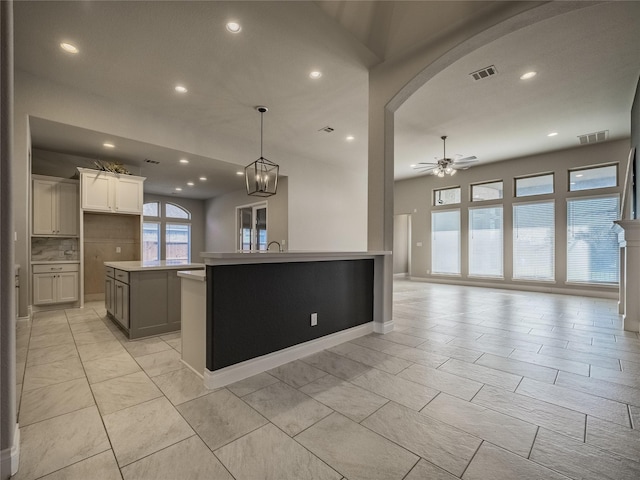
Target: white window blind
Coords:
[[534, 241], [592, 246], [445, 242], [485, 242]]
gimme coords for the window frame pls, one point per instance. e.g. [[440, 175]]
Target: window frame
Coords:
[[593, 167], [470, 231], [479, 184], [163, 221], [439, 212], [525, 177], [554, 204], [440, 205]]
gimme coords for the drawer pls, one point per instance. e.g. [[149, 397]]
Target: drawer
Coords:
[[122, 276], [109, 271], [56, 268]]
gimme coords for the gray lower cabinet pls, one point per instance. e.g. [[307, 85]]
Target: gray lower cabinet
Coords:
[[144, 303]]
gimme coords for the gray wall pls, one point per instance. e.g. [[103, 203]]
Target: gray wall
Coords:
[[197, 209], [221, 224], [415, 197]]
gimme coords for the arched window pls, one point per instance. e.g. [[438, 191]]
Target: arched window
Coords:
[[166, 232]]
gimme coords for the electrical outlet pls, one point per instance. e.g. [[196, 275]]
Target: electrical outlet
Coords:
[[314, 319], [118, 250]]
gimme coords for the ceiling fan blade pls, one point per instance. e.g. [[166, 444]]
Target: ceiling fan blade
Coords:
[[471, 159], [427, 163], [425, 167]]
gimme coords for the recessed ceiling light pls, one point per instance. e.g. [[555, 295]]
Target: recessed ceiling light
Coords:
[[190, 184], [315, 74], [413, 165], [239, 173], [184, 160], [108, 145], [528, 75], [181, 89], [69, 48], [552, 134], [178, 189], [233, 27], [350, 137], [203, 179]]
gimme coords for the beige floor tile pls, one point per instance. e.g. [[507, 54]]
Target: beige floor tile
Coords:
[[581, 402], [160, 362], [497, 340], [344, 397], [37, 376], [297, 373], [110, 367], [48, 402], [634, 412], [560, 419], [188, 459], [425, 470], [171, 336], [496, 463], [614, 438], [443, 381], [590, 358], [176, 344], [481, 374], [94, 326], [220, 418], [502, 430], [435, 441], [373, 358], [99, 467], [269, 454], [251, 384], [579, 460], [39, 330], [452, 351], [416, 355], [181, 385], [83, 434], [631, 354], [402, 339], [379, 343], [85, 338], [499, 350], [629, 378], [551, 362], [123, 392], [356, 452], [336, 365], [427, 334], [537, 372], [95, 351], [55, 353], [143, 429], [146, 346], [600, 388], [404, 392], [81, 315], [286, 407], [50, 340]]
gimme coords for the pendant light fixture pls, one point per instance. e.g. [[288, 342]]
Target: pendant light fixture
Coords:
[[261, 176]]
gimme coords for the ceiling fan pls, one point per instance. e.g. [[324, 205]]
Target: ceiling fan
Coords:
[[446, 166]]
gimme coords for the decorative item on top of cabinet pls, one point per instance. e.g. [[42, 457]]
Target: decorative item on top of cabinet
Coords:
[[103, 191], [55, 206]]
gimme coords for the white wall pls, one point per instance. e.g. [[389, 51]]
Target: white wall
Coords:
[[415, 197]]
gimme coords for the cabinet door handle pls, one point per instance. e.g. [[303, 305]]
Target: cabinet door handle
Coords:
[[56, 268]]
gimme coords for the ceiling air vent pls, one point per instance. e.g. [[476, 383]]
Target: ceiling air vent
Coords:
[[155, 162], [326, 129], [594, 137], [484, 72]]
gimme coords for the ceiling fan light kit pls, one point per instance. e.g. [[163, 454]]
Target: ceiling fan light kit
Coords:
[[261, 176], [446, 166]]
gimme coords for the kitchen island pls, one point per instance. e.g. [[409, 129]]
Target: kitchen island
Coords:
[[143, 298], [261, 310]]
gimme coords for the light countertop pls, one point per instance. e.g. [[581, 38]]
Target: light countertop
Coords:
[[239, 258], [140, 266]]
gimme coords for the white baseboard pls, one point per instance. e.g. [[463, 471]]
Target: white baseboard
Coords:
[[11, 456], [383, 328], [249, 368]]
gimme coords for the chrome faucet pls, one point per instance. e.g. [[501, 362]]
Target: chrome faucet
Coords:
[[272, 242]]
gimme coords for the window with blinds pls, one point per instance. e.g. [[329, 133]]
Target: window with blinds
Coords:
[[485, 242], [592, 246], [534, 241], [445, 242]]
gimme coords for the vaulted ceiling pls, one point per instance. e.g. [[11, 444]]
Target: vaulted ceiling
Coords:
[[136, 52]]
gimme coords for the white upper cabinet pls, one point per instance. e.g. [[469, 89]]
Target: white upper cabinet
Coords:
[[110, 192], [55, 206]]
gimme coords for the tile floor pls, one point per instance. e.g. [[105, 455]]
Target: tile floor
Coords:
[[473, 383]]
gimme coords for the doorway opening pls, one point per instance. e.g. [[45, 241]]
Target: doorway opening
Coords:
[[252, 227]]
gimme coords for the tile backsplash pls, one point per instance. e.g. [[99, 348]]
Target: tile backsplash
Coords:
[[54, 249]]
